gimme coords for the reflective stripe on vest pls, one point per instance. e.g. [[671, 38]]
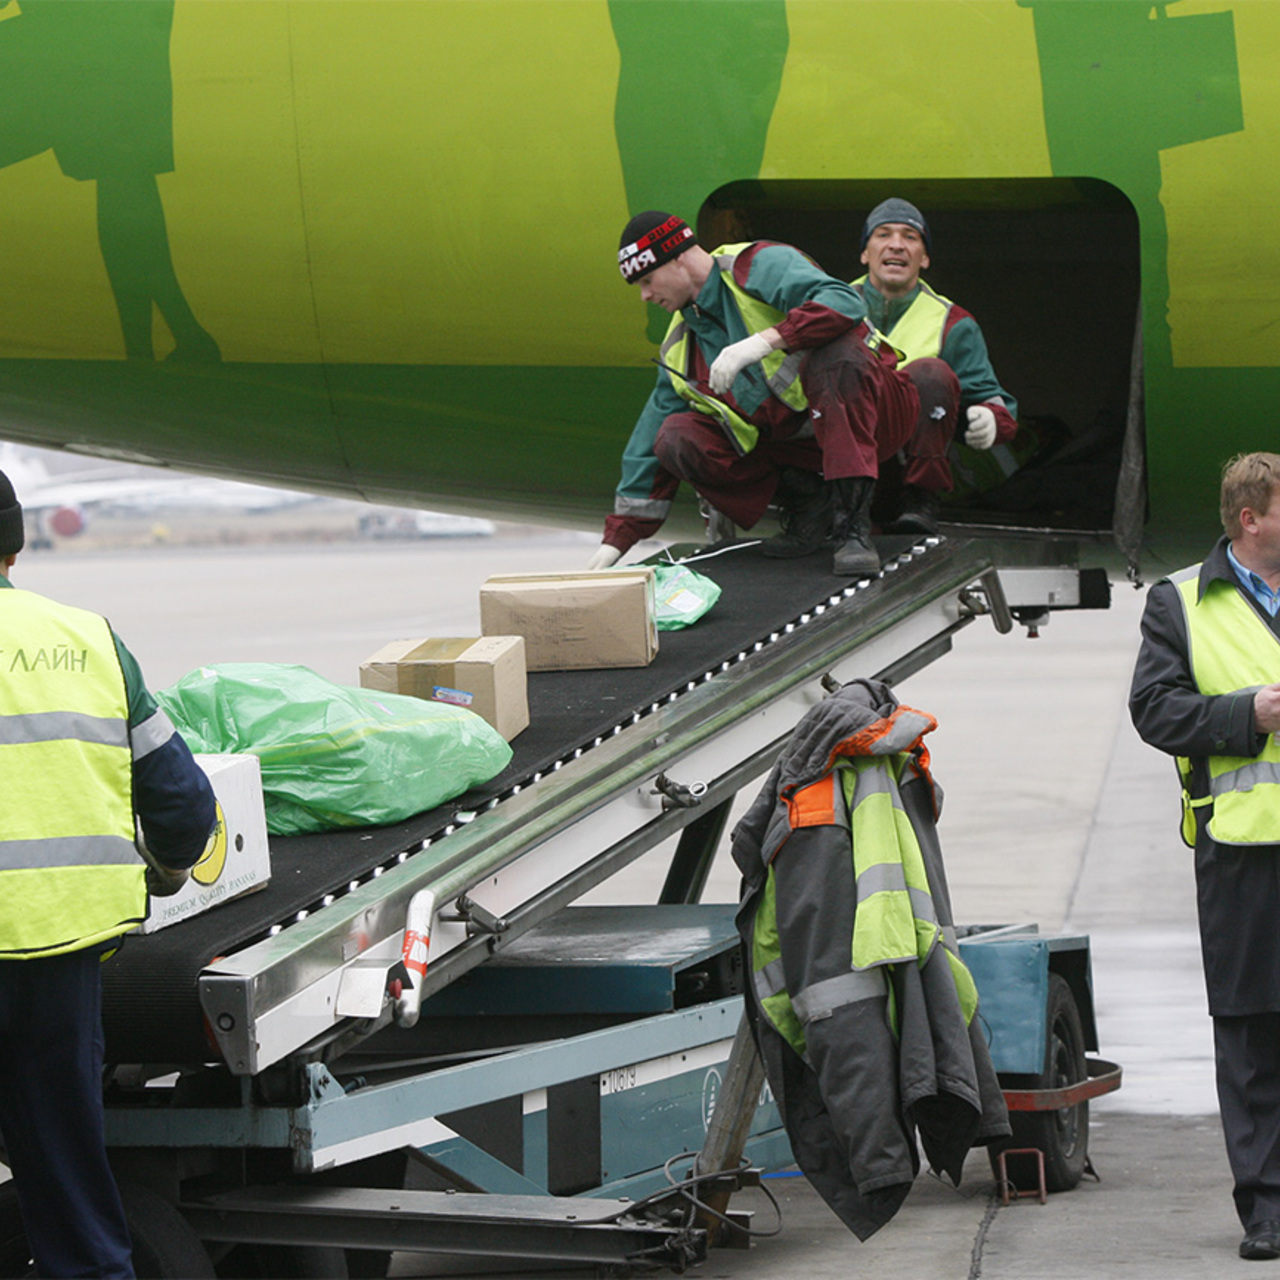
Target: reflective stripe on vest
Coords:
[[69, 873], [674, 353], [1231, 650], [917, 333], [767, 972], [896, 920], [822, 999]]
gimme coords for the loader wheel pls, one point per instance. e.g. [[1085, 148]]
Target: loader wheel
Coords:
[[1062, 1135], [284, 1262], [164, 1246]]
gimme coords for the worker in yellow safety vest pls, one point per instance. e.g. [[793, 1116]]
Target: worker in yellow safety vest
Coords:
[[1206, 689], [922, 324], [103, 804]]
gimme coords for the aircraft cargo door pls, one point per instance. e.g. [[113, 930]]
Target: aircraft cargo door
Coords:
[[1050, 270]]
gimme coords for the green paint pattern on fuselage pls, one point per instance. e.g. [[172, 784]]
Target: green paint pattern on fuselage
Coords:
[[696, 91], [334, 206], [1122, 81], [92, 82]]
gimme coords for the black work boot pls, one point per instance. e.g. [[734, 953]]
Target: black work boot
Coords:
[[856, 554], [919, 512], [806, 512]]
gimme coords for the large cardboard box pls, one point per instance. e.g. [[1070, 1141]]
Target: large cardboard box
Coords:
[[575, 621], [240, 860], [485, 675]]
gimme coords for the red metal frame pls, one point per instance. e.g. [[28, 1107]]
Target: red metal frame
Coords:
[[1104, 1077]]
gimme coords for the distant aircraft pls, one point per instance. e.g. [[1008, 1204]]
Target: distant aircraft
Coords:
[[392, 522], [62, 503], [374, 238]]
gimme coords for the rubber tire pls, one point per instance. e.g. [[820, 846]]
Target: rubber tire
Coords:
[[284, 1262], [164, 1245], [1062, 1135]]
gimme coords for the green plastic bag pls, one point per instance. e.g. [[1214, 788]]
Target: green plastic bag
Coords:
[[334, 756], [682, 596]]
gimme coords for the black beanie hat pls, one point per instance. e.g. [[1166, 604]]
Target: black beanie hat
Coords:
[[895, 210], [12, 535], [649, 240]]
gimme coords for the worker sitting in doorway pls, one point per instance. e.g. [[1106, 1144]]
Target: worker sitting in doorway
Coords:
[[925, 326]]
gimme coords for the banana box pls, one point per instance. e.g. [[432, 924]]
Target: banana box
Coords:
[[239, 860]]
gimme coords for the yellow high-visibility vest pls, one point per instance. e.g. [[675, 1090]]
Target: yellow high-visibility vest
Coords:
[[781, 368], [1231, 649], [918, 331], [70, 875], [895, 921]]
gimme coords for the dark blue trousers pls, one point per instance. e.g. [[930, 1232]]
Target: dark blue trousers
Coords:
[[51, 1115]]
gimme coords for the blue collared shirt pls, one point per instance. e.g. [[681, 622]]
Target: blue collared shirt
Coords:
[[1255, 586]]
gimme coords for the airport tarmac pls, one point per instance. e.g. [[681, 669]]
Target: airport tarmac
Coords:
[[1054, 812]]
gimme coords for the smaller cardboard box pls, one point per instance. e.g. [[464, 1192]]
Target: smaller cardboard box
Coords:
[[485, 675], [239, 860], [575, 621]]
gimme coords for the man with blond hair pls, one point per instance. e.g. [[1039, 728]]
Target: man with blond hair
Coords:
[[1206, 689]]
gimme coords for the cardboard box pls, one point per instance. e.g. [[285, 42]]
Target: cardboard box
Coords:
[[239, 861], [575, 621], [485, 675]]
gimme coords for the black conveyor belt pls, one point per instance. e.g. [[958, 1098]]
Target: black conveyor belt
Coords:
[[151, 1011]]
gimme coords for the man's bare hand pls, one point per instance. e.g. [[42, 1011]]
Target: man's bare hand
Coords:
[[1266, 709]]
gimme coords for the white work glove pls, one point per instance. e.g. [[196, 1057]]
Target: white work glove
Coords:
[[605, 557], [734, 358], [981, 431]]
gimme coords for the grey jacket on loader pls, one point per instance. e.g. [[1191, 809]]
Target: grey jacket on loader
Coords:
[[862, 1010]]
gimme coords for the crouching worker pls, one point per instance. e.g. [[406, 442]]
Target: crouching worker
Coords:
[[862, 1009], [772, 387]]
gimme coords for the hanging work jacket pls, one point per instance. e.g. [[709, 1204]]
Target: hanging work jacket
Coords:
[[70, 875], [863, 1010], [781, 368], [1231, 648]]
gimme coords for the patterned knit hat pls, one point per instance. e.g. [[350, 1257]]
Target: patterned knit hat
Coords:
[[12, 534], [649, 240]]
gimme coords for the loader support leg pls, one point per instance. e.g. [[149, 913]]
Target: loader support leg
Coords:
[[730, 1124], [691, 862]]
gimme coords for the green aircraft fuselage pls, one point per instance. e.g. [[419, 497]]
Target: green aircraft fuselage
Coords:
[[368, 246]]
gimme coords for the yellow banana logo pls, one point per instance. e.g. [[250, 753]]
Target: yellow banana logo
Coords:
[[214, 858]]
